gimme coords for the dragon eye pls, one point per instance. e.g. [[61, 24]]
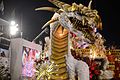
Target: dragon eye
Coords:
[[71, 19]]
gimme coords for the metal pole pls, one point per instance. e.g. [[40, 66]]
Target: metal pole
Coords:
[[21, 33], [40, 34]]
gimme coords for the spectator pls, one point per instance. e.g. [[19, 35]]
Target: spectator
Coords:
[[3, 54]]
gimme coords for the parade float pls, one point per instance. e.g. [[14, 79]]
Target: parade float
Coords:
[[75, 49]]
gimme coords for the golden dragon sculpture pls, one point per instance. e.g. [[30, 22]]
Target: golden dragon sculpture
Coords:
[[69, 18]]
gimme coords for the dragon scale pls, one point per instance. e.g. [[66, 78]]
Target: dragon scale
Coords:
[[59, 48]]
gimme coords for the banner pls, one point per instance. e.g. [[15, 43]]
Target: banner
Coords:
[[29, 56]]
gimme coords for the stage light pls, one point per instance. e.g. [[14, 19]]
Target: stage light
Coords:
[[12, 23], [13, 28]]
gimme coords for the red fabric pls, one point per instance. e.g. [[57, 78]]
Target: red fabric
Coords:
[[94, 70], [97, 72], [111, 58]]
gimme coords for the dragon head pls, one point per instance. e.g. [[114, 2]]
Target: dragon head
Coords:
[[75, 18]]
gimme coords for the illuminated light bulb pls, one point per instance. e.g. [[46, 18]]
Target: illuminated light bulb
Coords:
[[60, 35], [13, 30], [12, 22]]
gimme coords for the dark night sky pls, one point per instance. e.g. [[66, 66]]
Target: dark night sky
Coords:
[[34, 20]]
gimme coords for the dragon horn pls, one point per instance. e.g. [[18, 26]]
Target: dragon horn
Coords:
[[48, 9], [89, 5], [99, 22], [50, 21], [60, 4]]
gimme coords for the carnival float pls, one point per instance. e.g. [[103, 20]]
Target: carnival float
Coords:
[[75, 49]]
